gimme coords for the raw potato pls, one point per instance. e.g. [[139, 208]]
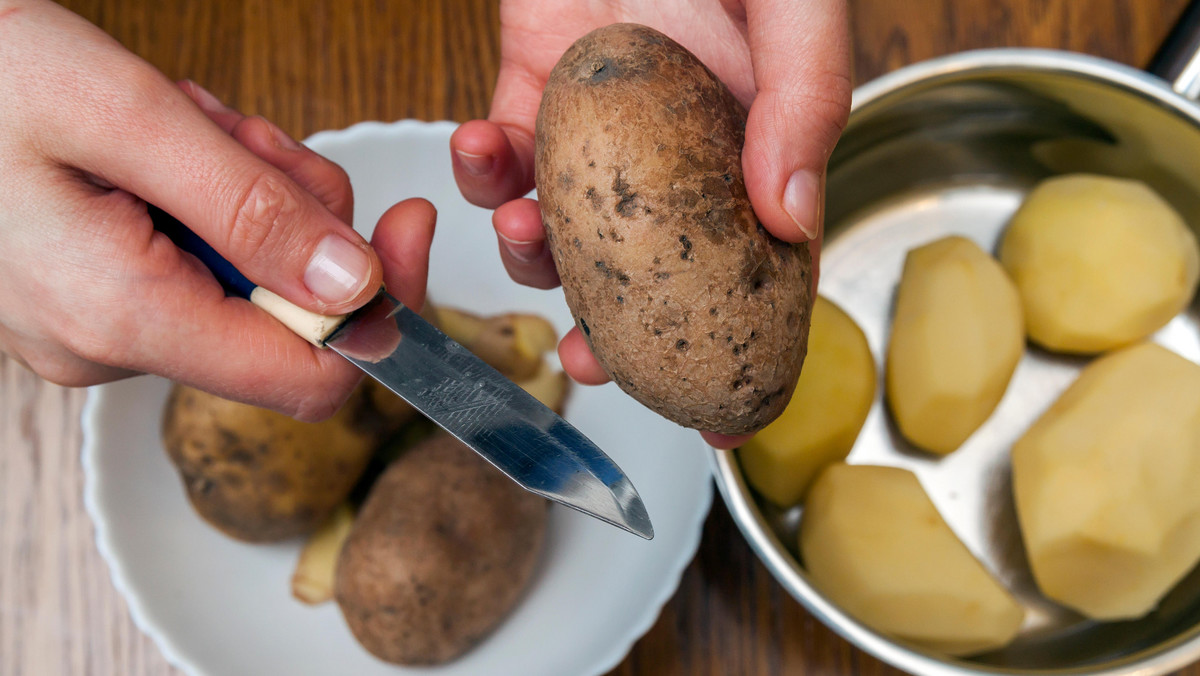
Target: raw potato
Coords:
[[688, 303], [312, 581], [261, 476], [440, 553], [957, 337], [512, 343], [873, 542], [827, 410], [1106, 484], [1100, 262]]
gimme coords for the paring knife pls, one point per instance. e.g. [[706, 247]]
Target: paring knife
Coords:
[[451, 386]]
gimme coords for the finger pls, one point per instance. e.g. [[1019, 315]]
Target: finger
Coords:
[[725, 441], [321, 177], [402, 238], [800, 52], [523, 248], [148, 307], [168, 152], [225, 117], [578, 361], [493, 159]]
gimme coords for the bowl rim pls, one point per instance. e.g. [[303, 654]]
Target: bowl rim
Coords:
[[1164, 657]]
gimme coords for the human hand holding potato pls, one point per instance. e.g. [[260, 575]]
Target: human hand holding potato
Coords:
[[795, 83]]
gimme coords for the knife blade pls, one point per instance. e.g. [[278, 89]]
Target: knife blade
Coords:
[[503, 423]]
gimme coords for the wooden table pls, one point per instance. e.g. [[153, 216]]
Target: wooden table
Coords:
[[323, 65]]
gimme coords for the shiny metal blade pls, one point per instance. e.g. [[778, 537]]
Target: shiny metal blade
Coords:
[[488, 412]]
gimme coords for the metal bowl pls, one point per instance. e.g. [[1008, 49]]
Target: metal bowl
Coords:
[[952, 146]]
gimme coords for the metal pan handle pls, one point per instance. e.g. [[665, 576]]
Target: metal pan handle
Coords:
[[1178, 58]]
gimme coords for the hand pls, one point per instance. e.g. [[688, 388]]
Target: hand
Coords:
[[787, 61], [90, 292]]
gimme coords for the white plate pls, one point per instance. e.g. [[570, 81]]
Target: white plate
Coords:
[[217, 607]]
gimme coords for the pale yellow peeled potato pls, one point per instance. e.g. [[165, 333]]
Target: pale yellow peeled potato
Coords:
[[874, 544], [957, 337], [1100, 262], [1106, 484], [832, 398]]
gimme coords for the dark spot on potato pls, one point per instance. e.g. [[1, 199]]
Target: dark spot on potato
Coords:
[[601, 70], [507, 330], [616, 236], [626, 198], [766, 399], [200, 485], [584, 327], [727, 178], [712, 311], [682, 345], [241, 456], [599, 234], [620, 300], [658, 332], [761, 282], [277, 481], [593, 196], [578, 244], [609, 273], [659, 276], [592, 163], [686, 254], [712, 335], [566, 180]]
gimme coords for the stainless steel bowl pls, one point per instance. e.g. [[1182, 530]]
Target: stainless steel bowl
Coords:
[[951, 146]]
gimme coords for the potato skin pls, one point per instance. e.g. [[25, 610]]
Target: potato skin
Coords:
[[688, 303], [260, 476], [439, 554]]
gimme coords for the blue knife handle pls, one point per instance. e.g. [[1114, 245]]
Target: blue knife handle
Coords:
[[234, 282], [313, 327]]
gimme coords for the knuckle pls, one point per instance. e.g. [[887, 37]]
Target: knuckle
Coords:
[[261, 211], [97, 345], [60, 369]]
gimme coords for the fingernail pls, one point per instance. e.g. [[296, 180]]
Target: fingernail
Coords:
[[337, 270], [476, 165], [281, 139], [802, 201], [525, 252], [207, 101]]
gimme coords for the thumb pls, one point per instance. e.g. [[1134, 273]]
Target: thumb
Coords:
[[271, 228], [801, 58]]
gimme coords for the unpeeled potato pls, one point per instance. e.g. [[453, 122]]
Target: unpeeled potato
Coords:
[[957, 337], [1100, 262], [1106, 484], [874, 543], [827, 410]]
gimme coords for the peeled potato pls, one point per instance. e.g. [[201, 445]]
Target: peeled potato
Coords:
[[956, 339], [1106, 484], [873, 542], [1100, 262], [832, 398]]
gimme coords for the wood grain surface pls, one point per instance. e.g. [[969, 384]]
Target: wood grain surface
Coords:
[[313, 65]]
